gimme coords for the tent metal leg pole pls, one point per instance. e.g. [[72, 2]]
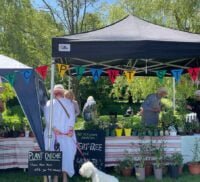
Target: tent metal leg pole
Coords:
[[51, 109], [174, 93], [69, 82]]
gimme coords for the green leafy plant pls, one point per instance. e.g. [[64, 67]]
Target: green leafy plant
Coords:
[[196, 151], [159, 152]]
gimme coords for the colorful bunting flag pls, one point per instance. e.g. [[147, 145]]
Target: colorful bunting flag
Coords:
[[42, 70], [160, 74], [129, 75], [79, 71], [26, 75], [96, 73], [62, 68], [11, 78], [194, 72], [177, 74], [112, 73]]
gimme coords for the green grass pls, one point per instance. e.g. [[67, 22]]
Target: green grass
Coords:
[[20, 176]]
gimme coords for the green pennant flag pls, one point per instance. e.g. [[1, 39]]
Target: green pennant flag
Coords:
[[160, 74], [79, 71], [11, 78]]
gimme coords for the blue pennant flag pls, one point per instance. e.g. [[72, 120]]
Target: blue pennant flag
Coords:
[[96, 73], [26, 75], [177, 74]]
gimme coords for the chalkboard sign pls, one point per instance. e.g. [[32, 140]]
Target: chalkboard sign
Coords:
[[92, 145], [44, 163]]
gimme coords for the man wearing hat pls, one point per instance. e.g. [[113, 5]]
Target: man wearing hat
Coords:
[[195, 107], [62, 130], [151, 107]]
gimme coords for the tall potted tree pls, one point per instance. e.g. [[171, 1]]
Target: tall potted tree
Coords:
[[158, 165]]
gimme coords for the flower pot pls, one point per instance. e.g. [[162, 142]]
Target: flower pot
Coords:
[[173, 171], [180, 170], [148, 169], [126, 171], [172, 133], [165, 170], [194, 168], [161, 133], [127, 131], [111, 132], [118, 132], [140, 173], [158, 173]]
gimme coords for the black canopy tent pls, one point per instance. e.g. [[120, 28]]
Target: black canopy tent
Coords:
[[130, 40]]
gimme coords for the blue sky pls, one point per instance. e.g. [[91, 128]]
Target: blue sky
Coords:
[[39, 4]]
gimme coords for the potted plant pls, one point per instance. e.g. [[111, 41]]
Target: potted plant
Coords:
[[176, 160], [140, 165], [127, 126], [125, 166], [158, 165], [119, 128], [194, 166]]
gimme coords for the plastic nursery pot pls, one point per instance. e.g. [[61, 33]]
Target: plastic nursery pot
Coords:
[[148, 169], [126, 171], [174, 171], [158, 173], [118, 132], [127, 131], [140, 173]]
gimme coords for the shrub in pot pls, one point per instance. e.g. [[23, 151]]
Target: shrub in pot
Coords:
[[176, 161], [127, 126], [194, 165], [119, 128], [125, 166]]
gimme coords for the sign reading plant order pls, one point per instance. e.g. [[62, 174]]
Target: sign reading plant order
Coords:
[[92, 145], [46, 163]]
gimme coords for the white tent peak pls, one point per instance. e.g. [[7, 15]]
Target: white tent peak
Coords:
[[9, 63]]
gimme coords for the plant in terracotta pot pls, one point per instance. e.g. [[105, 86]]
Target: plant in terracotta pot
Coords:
[[194, 166], [125, 166], [158, 152]]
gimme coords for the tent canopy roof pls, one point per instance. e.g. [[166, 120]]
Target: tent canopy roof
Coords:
[[129, 43], [9, 63]]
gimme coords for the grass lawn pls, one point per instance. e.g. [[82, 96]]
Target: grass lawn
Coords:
[[18, 175]]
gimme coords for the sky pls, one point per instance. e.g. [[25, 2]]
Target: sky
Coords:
[[39, 4]]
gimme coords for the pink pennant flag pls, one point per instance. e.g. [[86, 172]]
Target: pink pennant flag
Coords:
[[194, 72], [112, 73], [42, 70]]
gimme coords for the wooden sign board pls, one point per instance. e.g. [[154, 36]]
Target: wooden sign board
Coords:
[[92, 145], [46, 163]]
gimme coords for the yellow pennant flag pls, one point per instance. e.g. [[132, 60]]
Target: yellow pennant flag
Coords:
[[129, 75], [62, 68]]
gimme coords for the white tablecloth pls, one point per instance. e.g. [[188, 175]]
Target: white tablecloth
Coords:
[[14, 151]]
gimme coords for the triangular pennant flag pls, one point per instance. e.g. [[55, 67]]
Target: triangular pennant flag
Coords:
[[96, 73], [62, 68], [129, 75], [112, 73], [194, 72], [160, 74], [79, 71], [42, 70], [177, 74], [11, 78], [26, 75]]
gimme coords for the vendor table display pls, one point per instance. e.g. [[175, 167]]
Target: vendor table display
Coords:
[[14, 151]]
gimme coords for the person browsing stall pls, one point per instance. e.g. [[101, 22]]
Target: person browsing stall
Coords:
[[62, 130], [195, 107], [70, 95], [151, 107]]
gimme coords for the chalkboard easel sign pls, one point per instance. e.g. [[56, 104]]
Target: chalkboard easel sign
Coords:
[[46, 163], [92, 145]]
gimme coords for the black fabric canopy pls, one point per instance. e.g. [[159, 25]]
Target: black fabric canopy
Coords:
[[130, 43]]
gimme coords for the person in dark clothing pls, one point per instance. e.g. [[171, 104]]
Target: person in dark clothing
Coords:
[[130, 98], [195, 106]]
